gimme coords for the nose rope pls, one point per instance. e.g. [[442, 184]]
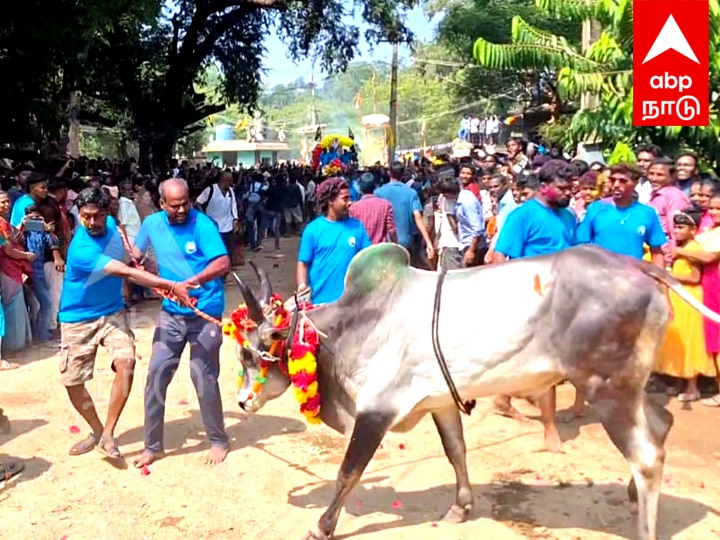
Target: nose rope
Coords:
[[165, 294]]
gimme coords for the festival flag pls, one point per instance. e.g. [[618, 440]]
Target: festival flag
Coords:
[[211, 120], [358, 100], [351, 135], [318, 134], [242, 124]]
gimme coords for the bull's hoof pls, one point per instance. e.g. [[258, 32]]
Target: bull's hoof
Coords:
[[457, 514], [316, 535]]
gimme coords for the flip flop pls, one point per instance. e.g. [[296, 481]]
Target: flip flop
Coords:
[[113, 453], [10, 469], [7, 366], [84, 446]]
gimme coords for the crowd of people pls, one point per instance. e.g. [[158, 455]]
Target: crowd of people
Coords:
[[76, 243]]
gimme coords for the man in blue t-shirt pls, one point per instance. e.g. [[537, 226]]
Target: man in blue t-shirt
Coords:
[[329, 243], [621, 224], [408, 211], [92, 313], [189, 248], [541, 226]]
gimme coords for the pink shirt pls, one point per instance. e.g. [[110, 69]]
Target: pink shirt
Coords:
[[377, 216], [668, 201]]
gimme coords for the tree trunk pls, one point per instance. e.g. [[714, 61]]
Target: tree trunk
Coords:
[[162, 148]]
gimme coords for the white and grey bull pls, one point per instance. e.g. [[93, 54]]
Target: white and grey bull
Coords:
[[597, 320]]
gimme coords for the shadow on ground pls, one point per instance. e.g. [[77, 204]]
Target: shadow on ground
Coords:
[[597, 507], [187, 435]]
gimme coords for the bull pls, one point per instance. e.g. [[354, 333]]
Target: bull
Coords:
[[584, 315]]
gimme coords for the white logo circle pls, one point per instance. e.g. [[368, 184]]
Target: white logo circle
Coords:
[[641, 230], [352, 241], [190, 248]]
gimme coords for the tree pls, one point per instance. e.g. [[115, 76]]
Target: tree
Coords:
[[463, 22], [153, 71], [44, 51], [604, 70]]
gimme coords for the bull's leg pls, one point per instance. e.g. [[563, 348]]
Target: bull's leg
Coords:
[[638, 428], [450, 428], [369, 430]]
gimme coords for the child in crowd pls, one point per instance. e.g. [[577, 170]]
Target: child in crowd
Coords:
[[45, 246], [683, 353]]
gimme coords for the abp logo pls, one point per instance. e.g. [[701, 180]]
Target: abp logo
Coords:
[[671, 71]]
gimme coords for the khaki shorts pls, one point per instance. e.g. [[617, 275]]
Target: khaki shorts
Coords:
[[82, 340]]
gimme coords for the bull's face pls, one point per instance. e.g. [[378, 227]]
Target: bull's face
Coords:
[[264, 375]]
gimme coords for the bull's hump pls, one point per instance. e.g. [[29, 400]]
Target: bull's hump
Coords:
[[381, 264]]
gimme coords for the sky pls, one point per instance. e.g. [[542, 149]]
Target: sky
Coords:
[[277, 53]]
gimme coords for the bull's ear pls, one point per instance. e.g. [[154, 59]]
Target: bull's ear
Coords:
[[269, 334]]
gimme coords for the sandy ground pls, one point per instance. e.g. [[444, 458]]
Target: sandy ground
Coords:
[[279, 476]]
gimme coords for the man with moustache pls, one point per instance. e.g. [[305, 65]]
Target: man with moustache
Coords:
[[189, 248], [540, 226], [92, 314]]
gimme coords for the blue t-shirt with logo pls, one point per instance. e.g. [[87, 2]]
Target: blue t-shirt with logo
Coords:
[[88, 293], [327, 247], [534, 229], [621, 230], [183, 251]]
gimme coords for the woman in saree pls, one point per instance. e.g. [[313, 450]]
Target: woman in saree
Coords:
[[15, 264]]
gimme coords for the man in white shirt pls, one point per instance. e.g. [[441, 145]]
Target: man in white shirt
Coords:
[[218, 202], [128, 214]]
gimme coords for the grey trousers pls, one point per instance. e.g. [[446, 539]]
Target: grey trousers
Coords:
[[172, 333]]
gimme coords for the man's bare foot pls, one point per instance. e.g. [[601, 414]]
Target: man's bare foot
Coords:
[[148, 457], [84, 446], [217, 454], [503, 407], [551, 442]]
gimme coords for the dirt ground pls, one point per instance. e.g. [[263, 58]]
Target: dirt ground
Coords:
[[280, 474]]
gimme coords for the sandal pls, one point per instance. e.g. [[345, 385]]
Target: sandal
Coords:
[[10, 469], [112, 451], [685, 397], [7, 366], [84, 446], [712, 401]]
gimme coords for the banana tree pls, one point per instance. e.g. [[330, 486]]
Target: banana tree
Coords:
[[605, 70]]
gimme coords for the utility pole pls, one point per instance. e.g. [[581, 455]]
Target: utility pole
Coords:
[[392, 138]]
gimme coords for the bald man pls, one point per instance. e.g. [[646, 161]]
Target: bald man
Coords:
[[189, 248]]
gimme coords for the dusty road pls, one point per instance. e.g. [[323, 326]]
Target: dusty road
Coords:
[[279, 476]]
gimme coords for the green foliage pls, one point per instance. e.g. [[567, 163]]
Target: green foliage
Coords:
[[465, 21], [604, 70], [421, 96]]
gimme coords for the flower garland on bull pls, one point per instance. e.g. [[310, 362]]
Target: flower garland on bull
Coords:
[[302, 359]]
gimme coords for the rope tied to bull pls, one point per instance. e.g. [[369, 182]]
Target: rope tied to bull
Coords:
[[466, 407], [165, 294]]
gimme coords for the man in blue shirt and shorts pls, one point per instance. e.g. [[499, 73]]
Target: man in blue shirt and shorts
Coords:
[[92, 313], [189, 248], [540, 226]]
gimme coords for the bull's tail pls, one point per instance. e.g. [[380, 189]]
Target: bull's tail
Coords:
[[664, 277]]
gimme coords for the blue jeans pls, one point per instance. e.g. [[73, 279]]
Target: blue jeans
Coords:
[[172, 333], [41, 324]]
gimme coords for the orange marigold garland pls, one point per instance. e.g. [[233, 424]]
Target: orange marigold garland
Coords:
[[302, 360], [302, 368]]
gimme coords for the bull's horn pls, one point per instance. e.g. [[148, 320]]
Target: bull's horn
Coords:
[[265, 284], [254, 310]]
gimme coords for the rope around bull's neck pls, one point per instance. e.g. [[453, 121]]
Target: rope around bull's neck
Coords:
[[165, 294], [465, 407]]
